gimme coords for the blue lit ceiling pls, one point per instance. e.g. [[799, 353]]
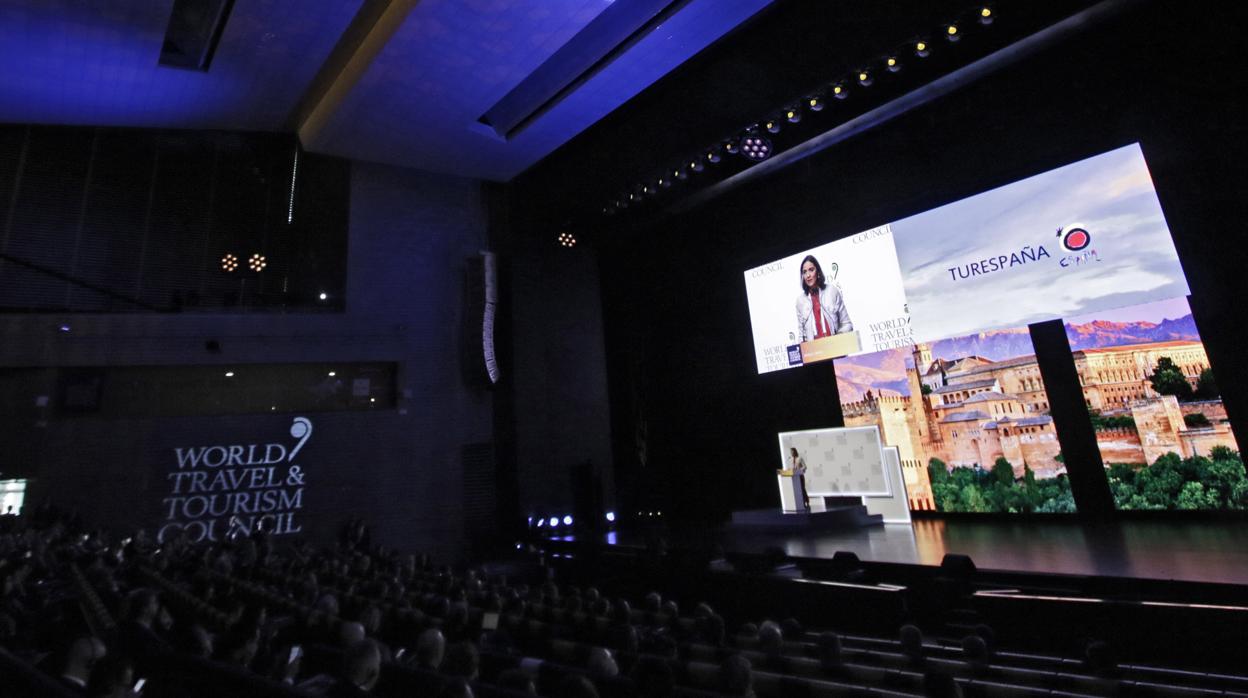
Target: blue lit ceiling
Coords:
[[416, 103], [94, 63]]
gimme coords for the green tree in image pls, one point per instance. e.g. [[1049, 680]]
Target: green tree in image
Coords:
[[1206, 386], [1167, 379], [1214, 482]]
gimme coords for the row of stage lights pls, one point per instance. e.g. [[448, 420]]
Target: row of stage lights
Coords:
[[566, 522], [753, 145], [256, 262]]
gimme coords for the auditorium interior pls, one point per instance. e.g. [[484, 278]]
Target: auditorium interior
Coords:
[[447, 348]]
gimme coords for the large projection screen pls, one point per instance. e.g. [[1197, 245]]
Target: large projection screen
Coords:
[[1089, 236], [840, 462]]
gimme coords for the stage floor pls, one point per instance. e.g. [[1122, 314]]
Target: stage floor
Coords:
[[1194, 551]]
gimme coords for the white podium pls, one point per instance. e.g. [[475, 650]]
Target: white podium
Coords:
[[790, 491]]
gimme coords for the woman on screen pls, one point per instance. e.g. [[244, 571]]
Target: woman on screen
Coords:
[[798, 466], [820, 310]]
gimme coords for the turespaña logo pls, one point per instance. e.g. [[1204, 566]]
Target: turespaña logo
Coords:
[[1074, 237]]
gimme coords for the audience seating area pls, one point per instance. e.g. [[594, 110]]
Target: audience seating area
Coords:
[[87, 613]]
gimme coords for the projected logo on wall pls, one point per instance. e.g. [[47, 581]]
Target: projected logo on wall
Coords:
[[221, 491], [967, 267]]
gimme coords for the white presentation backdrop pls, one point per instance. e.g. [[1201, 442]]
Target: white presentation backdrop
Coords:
[[840, 462], [864, 267], [1079, 239], [1086, 237]]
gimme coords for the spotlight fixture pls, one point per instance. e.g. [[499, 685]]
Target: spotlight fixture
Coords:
[[567, 520], [921, 49], [731, 148], [951, 32], [554, 521], [323, 296], [793, 115], [839, 91], [611, 516], [864, 78], [257, 262], [567, 239], [772, 126], [696, 165], [712, 156], [756, 147], [665, 182], [229, 262], [815, 103], [680, 174], [985, 15], [892, 64]]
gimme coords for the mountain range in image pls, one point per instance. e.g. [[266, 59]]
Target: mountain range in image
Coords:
[[884, 372]]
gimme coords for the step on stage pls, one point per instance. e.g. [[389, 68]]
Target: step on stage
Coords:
[[1213, 551], [818, 519]]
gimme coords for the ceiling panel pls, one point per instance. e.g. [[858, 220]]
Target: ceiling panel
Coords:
[[418, 102], [95, 63]]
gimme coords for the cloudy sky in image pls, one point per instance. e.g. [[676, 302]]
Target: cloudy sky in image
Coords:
[[1110, 195]]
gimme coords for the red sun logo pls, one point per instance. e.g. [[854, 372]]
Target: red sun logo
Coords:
[[1076, 239]]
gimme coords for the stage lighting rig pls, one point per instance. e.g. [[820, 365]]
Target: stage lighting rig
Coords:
[[567, 239], [755, 147], [229, 262], [257, 262]]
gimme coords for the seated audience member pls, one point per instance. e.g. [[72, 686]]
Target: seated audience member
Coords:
[[238, 648], [736, 677], [361, 667], [112, 678], [576, 686], [711, 630], [792, 629], [455, 688], [975, 652], [1099, 660], [80, 659], [350, 633], [771, 642], [462, 660], [135, 635], [601, 665], [911, 640], [193, 639], [430, 649], [516, 680], [828, 646]]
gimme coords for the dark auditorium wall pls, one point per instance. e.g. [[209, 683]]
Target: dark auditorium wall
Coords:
[[558, 359], [683, 380], [410, 237]]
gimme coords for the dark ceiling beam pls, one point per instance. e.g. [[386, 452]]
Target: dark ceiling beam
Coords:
[[366, 36]]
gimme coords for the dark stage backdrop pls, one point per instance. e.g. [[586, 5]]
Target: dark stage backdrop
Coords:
[[694, 425]]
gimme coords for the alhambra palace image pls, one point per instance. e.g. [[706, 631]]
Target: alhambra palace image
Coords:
[[970, 411]]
